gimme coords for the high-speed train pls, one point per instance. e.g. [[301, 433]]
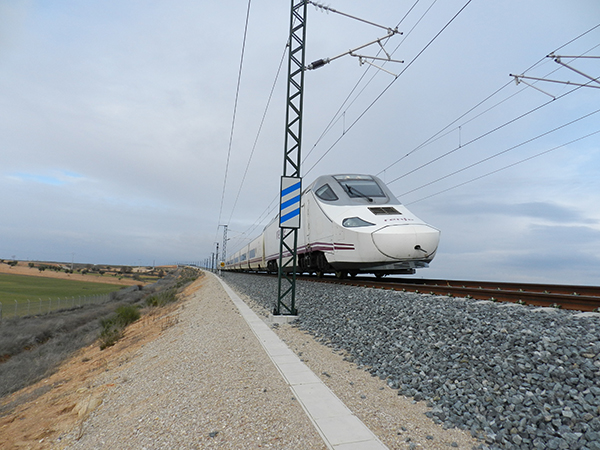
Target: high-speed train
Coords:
[[350, 224]]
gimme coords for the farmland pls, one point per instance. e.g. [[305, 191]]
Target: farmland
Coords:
[[23, 287], [23, 295]]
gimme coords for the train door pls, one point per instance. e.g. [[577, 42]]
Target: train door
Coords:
[[305, 223]]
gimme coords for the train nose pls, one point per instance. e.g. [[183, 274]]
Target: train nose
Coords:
[[407, 241]]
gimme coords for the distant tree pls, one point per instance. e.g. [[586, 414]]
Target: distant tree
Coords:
[[13, 263], [31, 265]]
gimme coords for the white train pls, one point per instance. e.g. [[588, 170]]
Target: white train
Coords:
[[350, 224]]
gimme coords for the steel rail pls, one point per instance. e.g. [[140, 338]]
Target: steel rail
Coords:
[[581, 298]]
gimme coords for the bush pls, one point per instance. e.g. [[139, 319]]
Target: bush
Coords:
[[109, 335], [127, 314], [187, 276], [162, 298], [113, 326], [33, 347]]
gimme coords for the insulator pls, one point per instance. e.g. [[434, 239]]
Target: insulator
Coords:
[[318, 63]]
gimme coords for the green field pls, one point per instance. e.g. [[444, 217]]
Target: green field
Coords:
[[26, 289]]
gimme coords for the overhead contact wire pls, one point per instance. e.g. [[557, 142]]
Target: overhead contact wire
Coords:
[[507, 166], [336, 117], [437, 135], [501, 153], [390, 84], [481, 136], [237, 92], [258, 133]]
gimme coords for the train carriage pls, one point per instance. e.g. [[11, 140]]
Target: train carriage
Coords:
[[350, 224]]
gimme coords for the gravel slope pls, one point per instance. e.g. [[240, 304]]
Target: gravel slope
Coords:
[[205, 383], [514, 376]]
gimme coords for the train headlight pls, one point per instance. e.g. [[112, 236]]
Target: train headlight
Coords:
[[354, 222]]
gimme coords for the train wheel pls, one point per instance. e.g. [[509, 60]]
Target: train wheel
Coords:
[[340, 275], [319, 273], [379, 276]]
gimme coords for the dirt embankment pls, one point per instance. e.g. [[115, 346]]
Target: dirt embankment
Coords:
[[36, 417]]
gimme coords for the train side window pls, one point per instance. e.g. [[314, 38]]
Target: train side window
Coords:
[[326, 193]]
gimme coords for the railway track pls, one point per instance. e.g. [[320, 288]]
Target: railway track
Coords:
[[581, 298]]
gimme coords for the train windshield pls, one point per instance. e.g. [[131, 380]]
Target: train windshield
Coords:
[[360, 186]]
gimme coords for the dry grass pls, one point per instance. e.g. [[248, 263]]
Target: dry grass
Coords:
[[32, 347]]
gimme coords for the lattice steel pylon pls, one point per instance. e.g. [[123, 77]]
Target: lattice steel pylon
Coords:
[[224, 251], [288, 243]]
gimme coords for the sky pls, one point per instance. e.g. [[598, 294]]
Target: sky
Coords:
[[121, 140]]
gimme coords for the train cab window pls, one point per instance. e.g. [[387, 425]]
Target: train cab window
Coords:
[[360, 186], [326, 193]]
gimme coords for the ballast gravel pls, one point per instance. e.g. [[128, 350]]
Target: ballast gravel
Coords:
[[514, 376]]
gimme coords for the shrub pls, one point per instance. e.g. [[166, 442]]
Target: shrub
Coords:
[[110, 334], [127, 314], [187, 276], [113, 326], [162, 298]]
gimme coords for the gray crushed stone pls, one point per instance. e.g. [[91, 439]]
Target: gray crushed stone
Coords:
[[516, 377]]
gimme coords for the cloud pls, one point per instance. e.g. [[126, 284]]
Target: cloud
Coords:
[[545, 211], [56, 178]]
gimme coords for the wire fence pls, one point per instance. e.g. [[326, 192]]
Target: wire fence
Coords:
[[44, 306]]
